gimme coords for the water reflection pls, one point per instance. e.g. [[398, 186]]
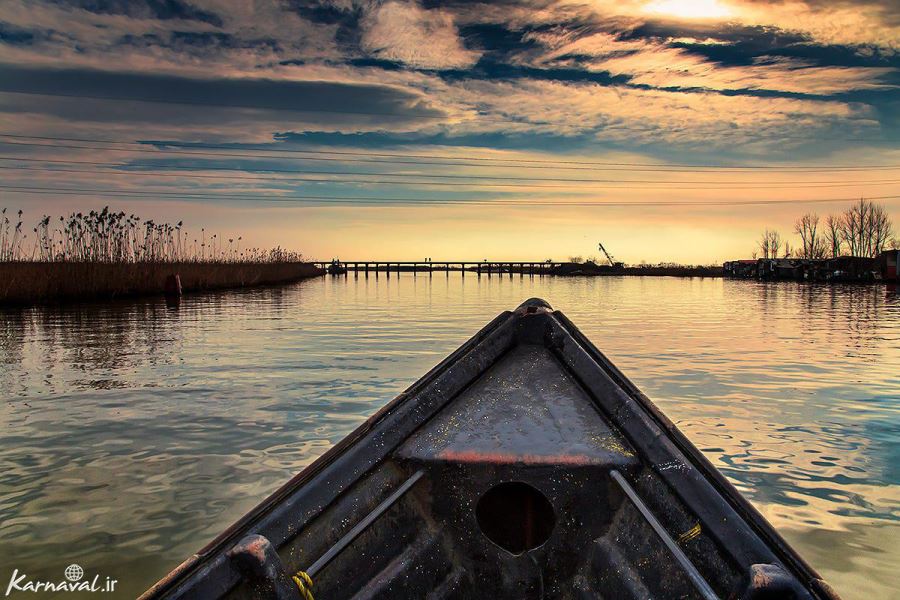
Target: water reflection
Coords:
[[134, 432]]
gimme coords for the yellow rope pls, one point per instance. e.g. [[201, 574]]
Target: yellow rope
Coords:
[[304, 583], [689, 534]]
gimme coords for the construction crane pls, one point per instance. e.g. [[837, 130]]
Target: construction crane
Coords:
[[612, 263]]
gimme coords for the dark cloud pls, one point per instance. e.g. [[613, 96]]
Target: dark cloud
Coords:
[[155, 9], [390, 140], [260, 94], [10, 34], [752, 40], [831, 141], [498, 70], [495, 40], [745, 51], [378, 63], [198, 41], [346, 19], [325, 13]]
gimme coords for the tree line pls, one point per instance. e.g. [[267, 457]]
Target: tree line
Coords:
[[863, 229]]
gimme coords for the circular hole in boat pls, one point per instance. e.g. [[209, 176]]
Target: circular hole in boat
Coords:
[[515, 516]]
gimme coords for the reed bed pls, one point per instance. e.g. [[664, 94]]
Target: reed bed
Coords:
[[104, 254], [106, 236]]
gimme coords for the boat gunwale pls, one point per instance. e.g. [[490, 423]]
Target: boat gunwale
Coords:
[[730, 494]]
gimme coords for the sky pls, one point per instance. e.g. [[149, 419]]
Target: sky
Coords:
[[668, 130]]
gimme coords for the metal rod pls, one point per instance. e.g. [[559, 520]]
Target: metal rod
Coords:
[[363, 524], [693, 574]]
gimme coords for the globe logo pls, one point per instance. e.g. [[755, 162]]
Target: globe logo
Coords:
[[74, 572]]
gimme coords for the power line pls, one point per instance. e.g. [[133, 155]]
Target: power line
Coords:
[[632, 168], [412, 201], [364, 173], [189, 145], [345, 181]]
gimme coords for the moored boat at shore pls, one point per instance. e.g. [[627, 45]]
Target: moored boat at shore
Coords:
[[524, 465]]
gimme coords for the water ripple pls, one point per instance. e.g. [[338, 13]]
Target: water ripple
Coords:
[[134, 433]]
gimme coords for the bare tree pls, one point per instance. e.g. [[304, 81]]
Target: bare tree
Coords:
[[833, 239], [881, 229], [770, 244], [866, 228], [787, 249], [763, 244], [812, 242], [852, 227]]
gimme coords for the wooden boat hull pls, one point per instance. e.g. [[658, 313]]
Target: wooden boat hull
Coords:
[[525, 465]]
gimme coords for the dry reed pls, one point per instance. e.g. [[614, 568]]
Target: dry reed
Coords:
[[105, 236], [105, 254]]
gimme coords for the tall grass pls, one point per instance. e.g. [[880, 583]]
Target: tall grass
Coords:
[[10, 243], [116, 237]]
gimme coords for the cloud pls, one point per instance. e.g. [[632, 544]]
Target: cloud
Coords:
[[642, 117], [665, 67], [148, 9], [192, 108], [245, 37], [540, 69], [661, 63], [558, 43], [407, 33], [864, 23]]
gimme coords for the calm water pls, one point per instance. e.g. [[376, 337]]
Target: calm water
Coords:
[[133, 433]]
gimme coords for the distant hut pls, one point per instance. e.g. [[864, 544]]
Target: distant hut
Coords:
[[889, 265], [852, 268], [742, 269]]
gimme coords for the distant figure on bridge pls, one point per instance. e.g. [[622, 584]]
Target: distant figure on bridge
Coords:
[[336, 268]]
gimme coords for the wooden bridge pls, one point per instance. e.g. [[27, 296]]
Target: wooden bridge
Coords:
[[480, 268]]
